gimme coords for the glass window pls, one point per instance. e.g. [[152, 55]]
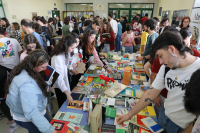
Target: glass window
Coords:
[[165, 14], [119, 5], [114, 13], [141, 5], [147, 11], [177, 17], [1, 12], [124, 13], [79, 7], [134, 13]]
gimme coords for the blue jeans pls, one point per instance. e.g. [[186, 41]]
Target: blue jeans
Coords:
[[30, 126], [168, 125], [117, 42], [128, 49], [158, 109]]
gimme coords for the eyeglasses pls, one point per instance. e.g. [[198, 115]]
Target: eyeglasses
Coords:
[[30, 47]]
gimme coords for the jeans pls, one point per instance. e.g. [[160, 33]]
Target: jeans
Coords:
[[128, 49], [168, 125], [117, 42], [30, 126], [157, 109], [106, 48]]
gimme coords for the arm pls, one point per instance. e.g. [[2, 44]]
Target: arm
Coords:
[[133, 43], [147, 67], [29, 101], [95, 54], [142, 49], [124, 37]]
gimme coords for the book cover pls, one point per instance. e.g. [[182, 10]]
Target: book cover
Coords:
[[77, 96], [115, 89], [139, 78], [124, 126], [142, 130], [81, 67], [96, 119], [96, 92], [59, 126], [75, 128], [120, 102], [89, 79], [78, 89], [73, 60], [139, 74], [49, 73], [77, 105], [136, 119], [110, 112], [139, 93], [96, 80], [134, 70], [148, 111], [84, 78], [81, 81], [121, 110], [131, 102], [106, 128], [128, 92], [120, 131], [90, 71], [116, 75], [98, 68], [111, 102], [133, 128], [106, 35], [95, 85], [152, 125], [68, 116], [87, 83], [54, 78], [86, 106]]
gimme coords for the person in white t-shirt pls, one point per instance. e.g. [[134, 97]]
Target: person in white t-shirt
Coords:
[[174, 55], [113, 24]]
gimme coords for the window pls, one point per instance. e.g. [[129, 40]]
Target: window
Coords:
[[79, 7], [141, 5], [2, 13], [119, 5]]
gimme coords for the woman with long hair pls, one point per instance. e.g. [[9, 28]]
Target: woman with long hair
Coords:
[[60, 61], [30, 44], [5, 23], [27, 98], [108, 42], [59, 25], [88, 47], [185, 22]]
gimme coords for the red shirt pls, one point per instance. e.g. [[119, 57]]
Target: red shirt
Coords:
[[144, 19], [137, 33], [156, 67]]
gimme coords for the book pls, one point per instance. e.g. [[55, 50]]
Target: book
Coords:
[[92, 66], [131, 102], [96, 80], [75, 128], [106, 35], [139, 77], [121, 110], [49, 73], [80, 82], [139, 93], [77, 96], [73, 60], [115, 75], [86, 106], [89, 79], [68, 116], [148, 111], [138, 65], [84, 78], [98, 68], [133, 128], [120, 102], [106, 128], [77, 105], [87, 83], [115, 89], [126, 77], [128, 92], [124, 126], [59, 126], [89, 111], [80, 67], [142, 130], [111, 102], [136, 119], [96, 119], [152, 125], [90, 71], [120, 131], [110, 112], [95, 85], [80, 89]]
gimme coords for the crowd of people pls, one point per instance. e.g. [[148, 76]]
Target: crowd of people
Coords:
[[168, 59]]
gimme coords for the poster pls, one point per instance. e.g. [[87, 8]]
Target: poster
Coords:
[[33, 14], [100, 7]]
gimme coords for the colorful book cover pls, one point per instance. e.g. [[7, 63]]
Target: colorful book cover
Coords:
[[152, 125], [106, 128], [77, 96], [74, 128], [139, 78], [120, 102], [60, 126], [136, 119], [120, 131], [81, 81], [96, 80], [89, 79], [148, 111], [87, 83], [49, 73], [77, 105], [120, 110], [95, 85], [78, 89], [139, 74], [128, 92], [68, 116], [124, 126], [138, 71], [86, 106], [110, 112], [98, 68], [142, 130], [133, 128]]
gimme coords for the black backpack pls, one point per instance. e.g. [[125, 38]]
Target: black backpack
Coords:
[[44, 41]]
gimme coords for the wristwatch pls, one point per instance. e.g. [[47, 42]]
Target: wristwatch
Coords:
[[144, 58]]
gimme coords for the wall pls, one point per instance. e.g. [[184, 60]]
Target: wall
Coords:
[[23, 8], [174, 5], [105, 3]]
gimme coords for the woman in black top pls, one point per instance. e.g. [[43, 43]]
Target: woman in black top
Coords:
[[59, 25]]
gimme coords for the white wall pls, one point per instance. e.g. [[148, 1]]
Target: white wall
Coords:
[[23, 8], [105, 3]]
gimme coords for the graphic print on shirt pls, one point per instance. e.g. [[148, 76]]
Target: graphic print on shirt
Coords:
[[7, 49], [173, 83]]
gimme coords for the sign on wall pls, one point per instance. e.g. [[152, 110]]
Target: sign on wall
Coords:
[[100, 7]]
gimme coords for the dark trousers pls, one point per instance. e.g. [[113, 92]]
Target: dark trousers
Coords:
[[5, 109], [74, 81], [30, 126], [61, 97]]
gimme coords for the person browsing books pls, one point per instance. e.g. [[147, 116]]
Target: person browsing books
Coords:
[[108, 42], [60, 61], [89, 50], [27, 98], [30, 44], [128, 39], [171, 50]]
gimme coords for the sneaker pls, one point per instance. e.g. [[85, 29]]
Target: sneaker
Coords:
[[52, 95], [12, 128]]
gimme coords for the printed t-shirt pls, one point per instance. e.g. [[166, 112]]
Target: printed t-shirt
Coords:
[[9, 48], [174, 105]]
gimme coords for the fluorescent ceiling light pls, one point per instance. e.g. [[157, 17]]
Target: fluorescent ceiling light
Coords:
[[83, 4]]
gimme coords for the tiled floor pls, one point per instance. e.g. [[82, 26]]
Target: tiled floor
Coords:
[[4, 126]]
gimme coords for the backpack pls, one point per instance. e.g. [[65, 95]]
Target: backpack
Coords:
[[44, 41]]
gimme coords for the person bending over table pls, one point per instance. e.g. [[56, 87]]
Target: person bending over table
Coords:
[[60, 60], [27, 93], [88, 47]]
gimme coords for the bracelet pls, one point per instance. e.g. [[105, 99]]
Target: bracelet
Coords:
[[129, 116], [105, 66]]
